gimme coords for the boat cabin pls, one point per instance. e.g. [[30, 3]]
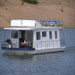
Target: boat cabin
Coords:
[[31, 35]]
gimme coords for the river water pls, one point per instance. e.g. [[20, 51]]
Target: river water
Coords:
[[60, 63]]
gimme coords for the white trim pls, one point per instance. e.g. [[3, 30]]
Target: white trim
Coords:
[[17, 28]]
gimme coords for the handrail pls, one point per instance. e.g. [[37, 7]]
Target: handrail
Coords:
[[49, 44], [37, 44], [5, 44]]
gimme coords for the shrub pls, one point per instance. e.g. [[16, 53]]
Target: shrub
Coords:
[[6, 8], [22, 3], [59, 3], [62, 10], [31, 1], [69, 1], [1, 4]]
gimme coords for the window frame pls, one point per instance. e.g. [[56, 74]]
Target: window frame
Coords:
[[50, 34], [38, 35], [56, 35], [44, 34]]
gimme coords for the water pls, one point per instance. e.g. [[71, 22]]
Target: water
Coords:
[[61, 63]]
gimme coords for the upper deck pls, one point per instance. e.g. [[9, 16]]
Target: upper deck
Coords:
[[30, 25]]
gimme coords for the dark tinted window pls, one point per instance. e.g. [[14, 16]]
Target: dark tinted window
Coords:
[[55, 34], [14, 34], [44, 34], [50, 34], [38, 35]]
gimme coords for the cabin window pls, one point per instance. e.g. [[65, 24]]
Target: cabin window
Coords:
[[50, 34], [38, 35], [14, 34], [44, 34], [55, 34]]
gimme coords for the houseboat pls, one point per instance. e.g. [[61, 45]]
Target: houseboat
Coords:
[[31, 37]]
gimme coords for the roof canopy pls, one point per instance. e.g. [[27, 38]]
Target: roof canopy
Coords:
[[25, 23]]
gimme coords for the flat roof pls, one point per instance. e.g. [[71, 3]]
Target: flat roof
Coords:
[[31, 28]]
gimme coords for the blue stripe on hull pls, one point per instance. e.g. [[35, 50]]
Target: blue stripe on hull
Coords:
[[4, 48]]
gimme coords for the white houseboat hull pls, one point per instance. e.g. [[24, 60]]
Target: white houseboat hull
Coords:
[[34, 52]]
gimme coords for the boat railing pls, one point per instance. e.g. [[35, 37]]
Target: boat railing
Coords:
[[49, 44], [4, 44], [36, 44], [16, 44]]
